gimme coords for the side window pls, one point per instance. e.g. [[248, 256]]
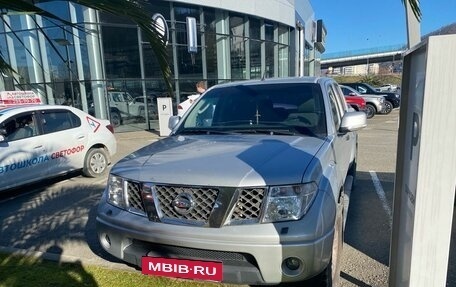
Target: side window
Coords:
[[116, 97], [361, 90], [20, 127], [335, 111], [341, 98], [54, 121]]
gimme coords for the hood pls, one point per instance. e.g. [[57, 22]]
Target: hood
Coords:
[[222, 160], [371, 96]]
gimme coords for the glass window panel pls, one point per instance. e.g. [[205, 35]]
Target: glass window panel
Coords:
[[161, 7], [283, 35], [269, 31], [181, 12], [237, 58], [113, 19], [269, 73], [181, 33], [237, 26], [59, 8], [211, 55], [209, 17], [121, 54], [151, 65], [255, 25], [283, 61], [190, 65], [255, 59]]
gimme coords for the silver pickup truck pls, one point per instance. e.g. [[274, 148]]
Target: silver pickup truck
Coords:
[[248, 188]]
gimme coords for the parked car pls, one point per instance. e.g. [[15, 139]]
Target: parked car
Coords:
[[262, 169], [387, 88], [152, 106], [123, 105], [43, 141], [375, 104], [357, 103], [185, 105], [392, 100]]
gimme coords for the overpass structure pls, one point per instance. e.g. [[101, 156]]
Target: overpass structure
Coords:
[[358, 57]]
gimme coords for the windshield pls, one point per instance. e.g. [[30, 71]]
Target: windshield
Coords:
[[289, 108], [370, 87]]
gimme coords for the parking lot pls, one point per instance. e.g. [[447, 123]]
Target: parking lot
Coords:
[[58, 218]]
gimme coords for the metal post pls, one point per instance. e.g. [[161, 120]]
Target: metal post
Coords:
[[143, 77], [70, 75]]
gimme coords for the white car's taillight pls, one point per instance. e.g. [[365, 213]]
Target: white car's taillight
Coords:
[[110, 128]]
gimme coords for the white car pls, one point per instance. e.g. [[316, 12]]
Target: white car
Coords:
[[185, 105], [43, 141], [387, 88]]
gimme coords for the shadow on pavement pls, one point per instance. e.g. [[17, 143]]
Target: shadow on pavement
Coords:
[[369, 229], [53, 214], [353, 280], [16, 272]]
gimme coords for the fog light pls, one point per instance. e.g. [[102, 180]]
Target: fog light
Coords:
[[105, 241], [293, 263]]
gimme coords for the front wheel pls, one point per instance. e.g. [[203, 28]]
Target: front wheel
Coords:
[[95, 163], [370, 111], [116, 120], [388, 107]]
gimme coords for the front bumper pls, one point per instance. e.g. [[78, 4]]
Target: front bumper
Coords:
[[251, 254]]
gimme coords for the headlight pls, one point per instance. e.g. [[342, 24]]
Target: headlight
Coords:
[[289, 202], [116, 194], [397, 96]]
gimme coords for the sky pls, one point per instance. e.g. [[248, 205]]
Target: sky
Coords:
[[365, 24]]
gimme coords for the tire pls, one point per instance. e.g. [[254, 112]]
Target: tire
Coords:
[[141, 112], [116, 120], [388, 107], [370, 111], [95, 163]]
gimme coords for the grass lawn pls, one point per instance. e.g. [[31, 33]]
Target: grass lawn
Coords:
[[18, 271]]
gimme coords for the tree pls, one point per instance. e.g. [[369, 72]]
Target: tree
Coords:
[[131, 9]]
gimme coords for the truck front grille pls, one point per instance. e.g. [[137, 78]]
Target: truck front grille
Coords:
[[246, 210], [248, 206], [134, 200], [203, 200]]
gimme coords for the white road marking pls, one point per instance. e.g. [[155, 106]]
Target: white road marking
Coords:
[[381, 194]]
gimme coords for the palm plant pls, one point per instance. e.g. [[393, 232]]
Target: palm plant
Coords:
[[131, 9]]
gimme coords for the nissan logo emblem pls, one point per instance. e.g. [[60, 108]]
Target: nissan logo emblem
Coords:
[[183, 203]]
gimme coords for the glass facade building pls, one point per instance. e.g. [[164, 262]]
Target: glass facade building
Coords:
[[107, 69]]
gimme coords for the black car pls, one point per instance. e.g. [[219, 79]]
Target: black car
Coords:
[[392, 100]]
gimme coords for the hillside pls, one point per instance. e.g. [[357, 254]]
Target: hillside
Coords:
[[374, 80]]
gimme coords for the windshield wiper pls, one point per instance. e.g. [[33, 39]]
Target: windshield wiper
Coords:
[[265, 131], [203, 132]]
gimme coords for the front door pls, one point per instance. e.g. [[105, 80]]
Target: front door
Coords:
[[22, 154]]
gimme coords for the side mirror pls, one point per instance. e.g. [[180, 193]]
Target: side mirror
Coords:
[[353, 121], [2, 135], [173, 121]]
